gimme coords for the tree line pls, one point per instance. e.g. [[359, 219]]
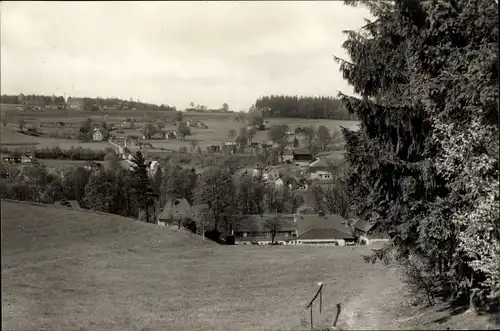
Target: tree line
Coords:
[[303, 107], [87, 102], [220, 194]]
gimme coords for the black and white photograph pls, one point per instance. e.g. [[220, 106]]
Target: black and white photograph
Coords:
[[250, 165]]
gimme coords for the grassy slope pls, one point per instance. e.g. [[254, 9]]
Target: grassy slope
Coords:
[[68, 269], [64, 269]]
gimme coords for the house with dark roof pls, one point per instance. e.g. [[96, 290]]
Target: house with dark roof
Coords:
[[302, 157], [324, 229], [174, 212], [293, 229], [368, 230], [257, 228]]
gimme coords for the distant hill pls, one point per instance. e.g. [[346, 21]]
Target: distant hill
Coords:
[[87, 103]]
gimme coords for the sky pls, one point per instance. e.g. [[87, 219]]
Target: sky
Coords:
[[175, 52]]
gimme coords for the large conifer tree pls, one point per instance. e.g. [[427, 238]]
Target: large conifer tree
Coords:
[[424, 164]]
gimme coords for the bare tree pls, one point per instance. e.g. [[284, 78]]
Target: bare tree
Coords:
[[323, 135], [274, 225]]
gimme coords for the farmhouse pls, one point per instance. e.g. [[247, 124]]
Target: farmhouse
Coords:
[[97, 136], [324, 229], [174, 211], [319, 170], [256, 228], [294, 229]]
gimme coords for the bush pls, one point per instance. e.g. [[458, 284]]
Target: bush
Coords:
[[419, 279]]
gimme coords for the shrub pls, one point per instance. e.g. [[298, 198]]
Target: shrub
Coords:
[[419, 279]]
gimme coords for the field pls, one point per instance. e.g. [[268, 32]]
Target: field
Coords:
[[219, 125], [78, 270]]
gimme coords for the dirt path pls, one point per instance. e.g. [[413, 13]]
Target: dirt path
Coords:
[[384, 305], [378, 305]]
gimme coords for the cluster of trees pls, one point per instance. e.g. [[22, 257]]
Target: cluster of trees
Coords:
[[424, 164], [316, 139], [41, 100], [303, 107], [73, 153], [112, 189], [204, 109], [100, 103]]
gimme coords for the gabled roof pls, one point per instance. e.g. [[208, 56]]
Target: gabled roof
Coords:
[[258, 222], [324, 234], [331, 221], [319, 163], [363, 225], [175, 208]]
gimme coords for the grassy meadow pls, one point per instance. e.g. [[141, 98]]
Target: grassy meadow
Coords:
[[219, 125], [66, 269]]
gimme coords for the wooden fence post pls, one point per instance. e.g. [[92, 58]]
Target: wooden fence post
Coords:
[[320, 293]]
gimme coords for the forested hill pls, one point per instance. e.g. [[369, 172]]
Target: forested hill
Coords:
[[303, 107], [86, 102]]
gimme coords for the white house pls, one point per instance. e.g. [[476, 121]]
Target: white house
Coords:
[[279, 183], [319, 170], [171, 135], [97, 136]]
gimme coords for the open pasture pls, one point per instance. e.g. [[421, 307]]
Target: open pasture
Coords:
[[219, 125], [65, 269]]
